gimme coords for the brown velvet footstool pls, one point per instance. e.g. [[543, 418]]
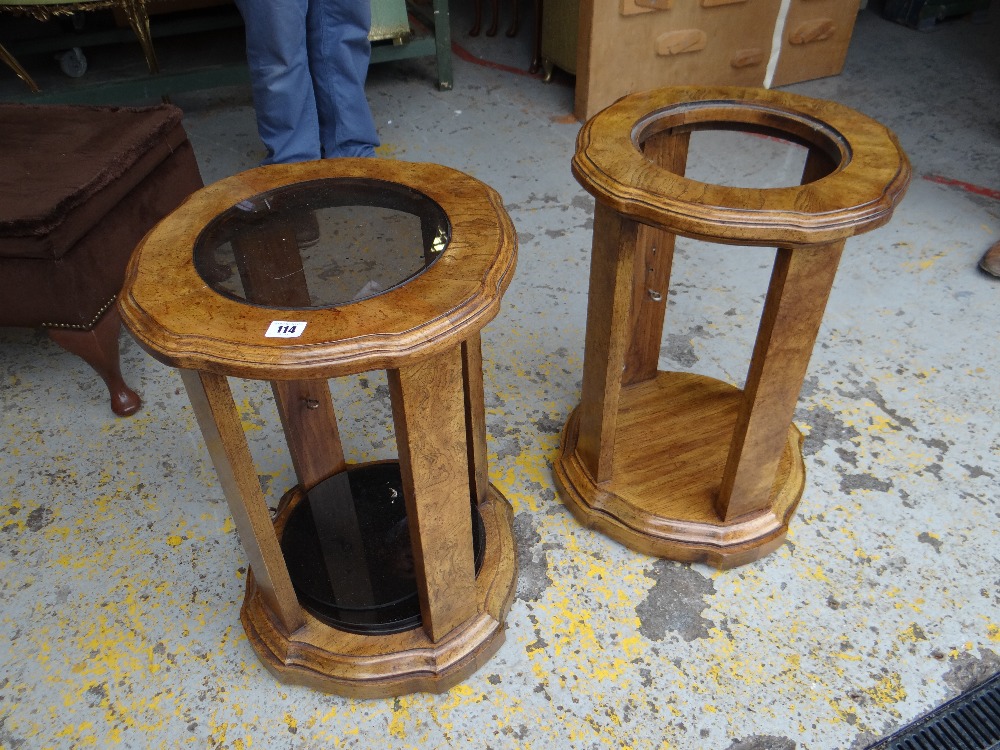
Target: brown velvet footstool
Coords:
[[79, 187]]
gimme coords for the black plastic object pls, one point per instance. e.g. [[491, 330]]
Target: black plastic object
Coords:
[[347, 549], [969, 722], [925, 14]]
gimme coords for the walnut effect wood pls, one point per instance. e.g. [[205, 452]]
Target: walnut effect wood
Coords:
[[270, 268], [305, 408], [428, 408], [426, 333], [793, 310], [681, 465], [654, 259], [670, 449], [451, 300], [475, 417], [608, 312], [212, 401], [364, 666]]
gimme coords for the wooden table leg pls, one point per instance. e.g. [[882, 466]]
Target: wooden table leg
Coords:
[[310, 425], [793, 311], [428, 408], [270, 267], [220, 425], [608, 333], [653, 260], [818, 165], [475, 417]]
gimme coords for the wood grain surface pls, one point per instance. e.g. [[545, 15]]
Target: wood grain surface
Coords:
[[653, 261], [428, 409], [680, 465], [669, 455], [869, 179], [426, 334], [365, 666], [222, 430], [180, 320]]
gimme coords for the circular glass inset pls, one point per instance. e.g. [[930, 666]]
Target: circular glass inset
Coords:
[[321, 243], [773, 147]]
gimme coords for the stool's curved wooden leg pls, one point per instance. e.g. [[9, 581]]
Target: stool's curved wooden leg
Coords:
[[477, 24], [494, 19], [98, 347], [515, 21], [536, 59], [21, 73], [138, 18]]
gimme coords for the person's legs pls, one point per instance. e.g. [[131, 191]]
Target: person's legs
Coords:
[[279, 74], [339, 53]]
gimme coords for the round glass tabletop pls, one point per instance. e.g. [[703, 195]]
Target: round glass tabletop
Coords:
[[321, 243]]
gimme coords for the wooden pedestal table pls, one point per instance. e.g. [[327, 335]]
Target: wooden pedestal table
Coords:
[[374, 579], [684, 466]]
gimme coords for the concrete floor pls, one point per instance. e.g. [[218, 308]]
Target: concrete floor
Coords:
[[122, 575]]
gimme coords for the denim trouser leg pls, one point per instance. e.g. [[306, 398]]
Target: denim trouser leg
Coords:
[[279, 73], [339, 53]]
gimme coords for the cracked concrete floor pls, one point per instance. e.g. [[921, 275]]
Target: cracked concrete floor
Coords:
[[122, 575]]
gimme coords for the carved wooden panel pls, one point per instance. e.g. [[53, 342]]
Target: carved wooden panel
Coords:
[[631, 7], [815, 39], [637, 45], [679, 42], [692, 42]]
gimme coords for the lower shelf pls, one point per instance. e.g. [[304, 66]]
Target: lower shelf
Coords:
[[377, 666], [671, 445]]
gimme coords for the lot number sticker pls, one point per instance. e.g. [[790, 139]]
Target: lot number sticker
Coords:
[[285, 329]]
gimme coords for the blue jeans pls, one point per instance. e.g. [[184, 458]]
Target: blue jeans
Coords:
[[308, 60]]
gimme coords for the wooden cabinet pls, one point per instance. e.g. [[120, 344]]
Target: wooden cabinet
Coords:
[[626, 46]]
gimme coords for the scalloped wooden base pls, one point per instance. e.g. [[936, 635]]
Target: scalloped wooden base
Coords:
[[672, 441], [378, 666]]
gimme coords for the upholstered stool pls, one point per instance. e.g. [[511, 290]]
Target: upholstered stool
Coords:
[[79, 187], [681, 465]]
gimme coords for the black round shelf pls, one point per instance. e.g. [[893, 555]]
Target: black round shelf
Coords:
[[348, 552]]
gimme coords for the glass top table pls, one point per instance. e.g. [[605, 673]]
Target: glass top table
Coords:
[[372, 579]]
